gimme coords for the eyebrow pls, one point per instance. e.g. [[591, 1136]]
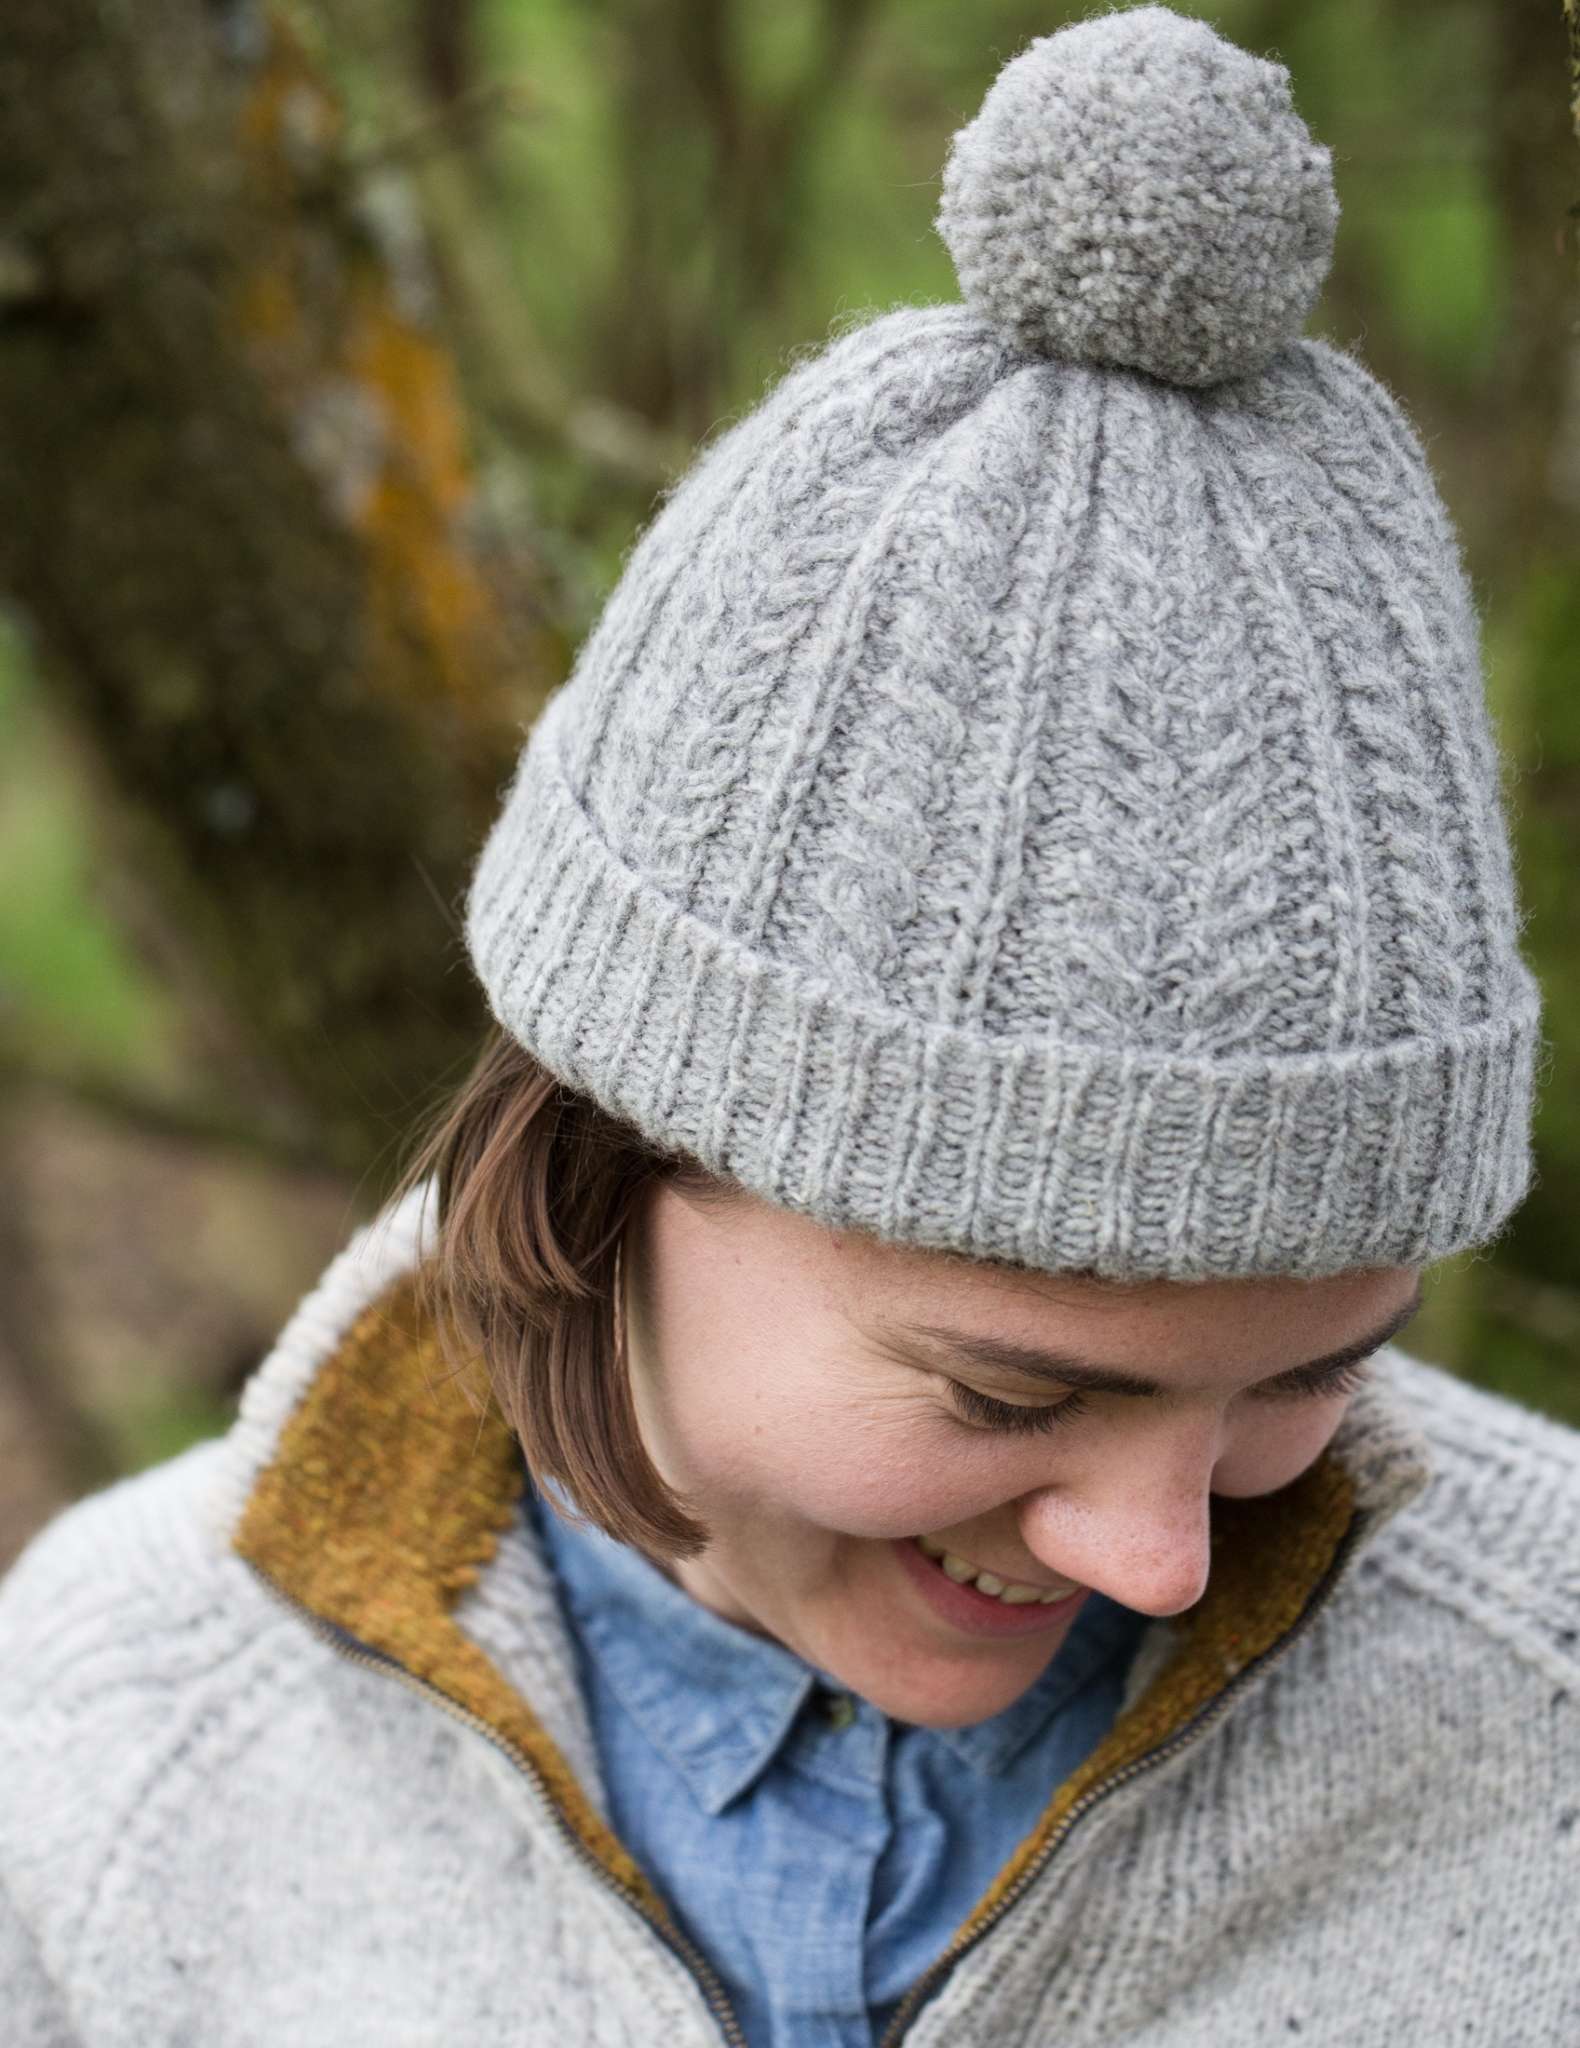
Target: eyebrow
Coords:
[[1033, 1362]]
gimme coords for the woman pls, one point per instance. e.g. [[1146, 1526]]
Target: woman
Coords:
[[860, 1492]]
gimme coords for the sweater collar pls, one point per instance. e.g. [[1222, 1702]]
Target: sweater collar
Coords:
[[373, 1487]]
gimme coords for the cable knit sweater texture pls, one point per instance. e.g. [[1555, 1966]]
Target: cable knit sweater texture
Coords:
[[216, 1830]]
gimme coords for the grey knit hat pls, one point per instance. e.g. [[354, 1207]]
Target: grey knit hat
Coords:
[[1030, 792]]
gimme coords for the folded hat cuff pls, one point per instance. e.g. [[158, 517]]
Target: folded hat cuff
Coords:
[[1051, 1154]]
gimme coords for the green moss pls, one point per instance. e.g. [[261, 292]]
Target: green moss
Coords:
[[71, 993]]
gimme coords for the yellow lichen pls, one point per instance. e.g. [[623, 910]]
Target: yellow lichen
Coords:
[[316, 312]]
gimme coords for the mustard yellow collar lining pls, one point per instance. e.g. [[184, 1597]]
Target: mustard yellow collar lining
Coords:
[[388, 1493], [386, 1496]]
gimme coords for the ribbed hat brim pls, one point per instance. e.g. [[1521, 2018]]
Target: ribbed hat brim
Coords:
[[1057, 1156]]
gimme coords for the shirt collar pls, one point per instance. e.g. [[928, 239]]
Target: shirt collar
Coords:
[[719, 1702], [712, 1698]]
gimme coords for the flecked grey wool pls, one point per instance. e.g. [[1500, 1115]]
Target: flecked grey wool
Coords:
[[1031, 791]]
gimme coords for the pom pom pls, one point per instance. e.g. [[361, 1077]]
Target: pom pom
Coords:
[[1136, 191]]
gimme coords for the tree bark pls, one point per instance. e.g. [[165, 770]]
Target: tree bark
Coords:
[[712, 168], [245, 532]]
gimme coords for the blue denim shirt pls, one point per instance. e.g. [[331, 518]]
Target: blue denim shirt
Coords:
[[819, 1854]]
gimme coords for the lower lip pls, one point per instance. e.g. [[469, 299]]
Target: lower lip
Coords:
[[980, 1614]]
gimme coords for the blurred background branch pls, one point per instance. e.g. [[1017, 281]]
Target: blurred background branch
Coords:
[[345, 346]]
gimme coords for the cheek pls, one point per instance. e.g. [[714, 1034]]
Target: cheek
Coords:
[[867, 1481], [1268, 1447], [866, 1465]]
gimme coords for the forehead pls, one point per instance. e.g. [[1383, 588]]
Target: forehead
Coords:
[[1267, 1320], [968, 1273], [860, 1274]]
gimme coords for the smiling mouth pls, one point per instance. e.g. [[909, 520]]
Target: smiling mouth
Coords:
[[1012, 1592]]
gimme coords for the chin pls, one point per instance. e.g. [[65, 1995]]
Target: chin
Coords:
[[953, 1707], [943, 1692]]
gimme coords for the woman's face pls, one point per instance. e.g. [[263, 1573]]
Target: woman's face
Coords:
[[822, 1400]]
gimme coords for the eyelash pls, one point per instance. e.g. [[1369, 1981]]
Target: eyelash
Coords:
[[1341, 1379], [1014, 1420], [1009, 1416]]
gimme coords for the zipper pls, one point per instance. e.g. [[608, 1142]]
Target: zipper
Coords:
[[933, 1977], [344, 1644]]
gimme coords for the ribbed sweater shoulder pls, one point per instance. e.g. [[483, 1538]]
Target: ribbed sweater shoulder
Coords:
[[140, 1656], [126, 1629], [1494, 1537]]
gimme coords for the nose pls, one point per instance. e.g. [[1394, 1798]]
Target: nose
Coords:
[[1139, 1530]]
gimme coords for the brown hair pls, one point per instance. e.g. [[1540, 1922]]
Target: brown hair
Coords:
[[536, 1185]]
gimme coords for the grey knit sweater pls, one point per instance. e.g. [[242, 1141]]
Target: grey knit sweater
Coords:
[[1342, 1803]]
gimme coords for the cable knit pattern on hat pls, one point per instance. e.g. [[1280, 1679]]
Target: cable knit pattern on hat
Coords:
[[1031, 792]]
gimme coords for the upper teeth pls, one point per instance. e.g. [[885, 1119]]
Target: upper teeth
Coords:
[[962, 1571]]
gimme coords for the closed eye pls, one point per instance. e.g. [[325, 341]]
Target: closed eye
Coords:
[[1010, 1416], [1326, 1384]]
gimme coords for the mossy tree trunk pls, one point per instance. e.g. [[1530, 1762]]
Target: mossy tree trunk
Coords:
[[244, 531]]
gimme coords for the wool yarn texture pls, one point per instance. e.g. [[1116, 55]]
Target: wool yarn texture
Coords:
[[1031, 791]]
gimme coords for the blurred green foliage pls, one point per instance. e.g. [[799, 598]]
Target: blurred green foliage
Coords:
[[73, 995], [162, 1425]]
